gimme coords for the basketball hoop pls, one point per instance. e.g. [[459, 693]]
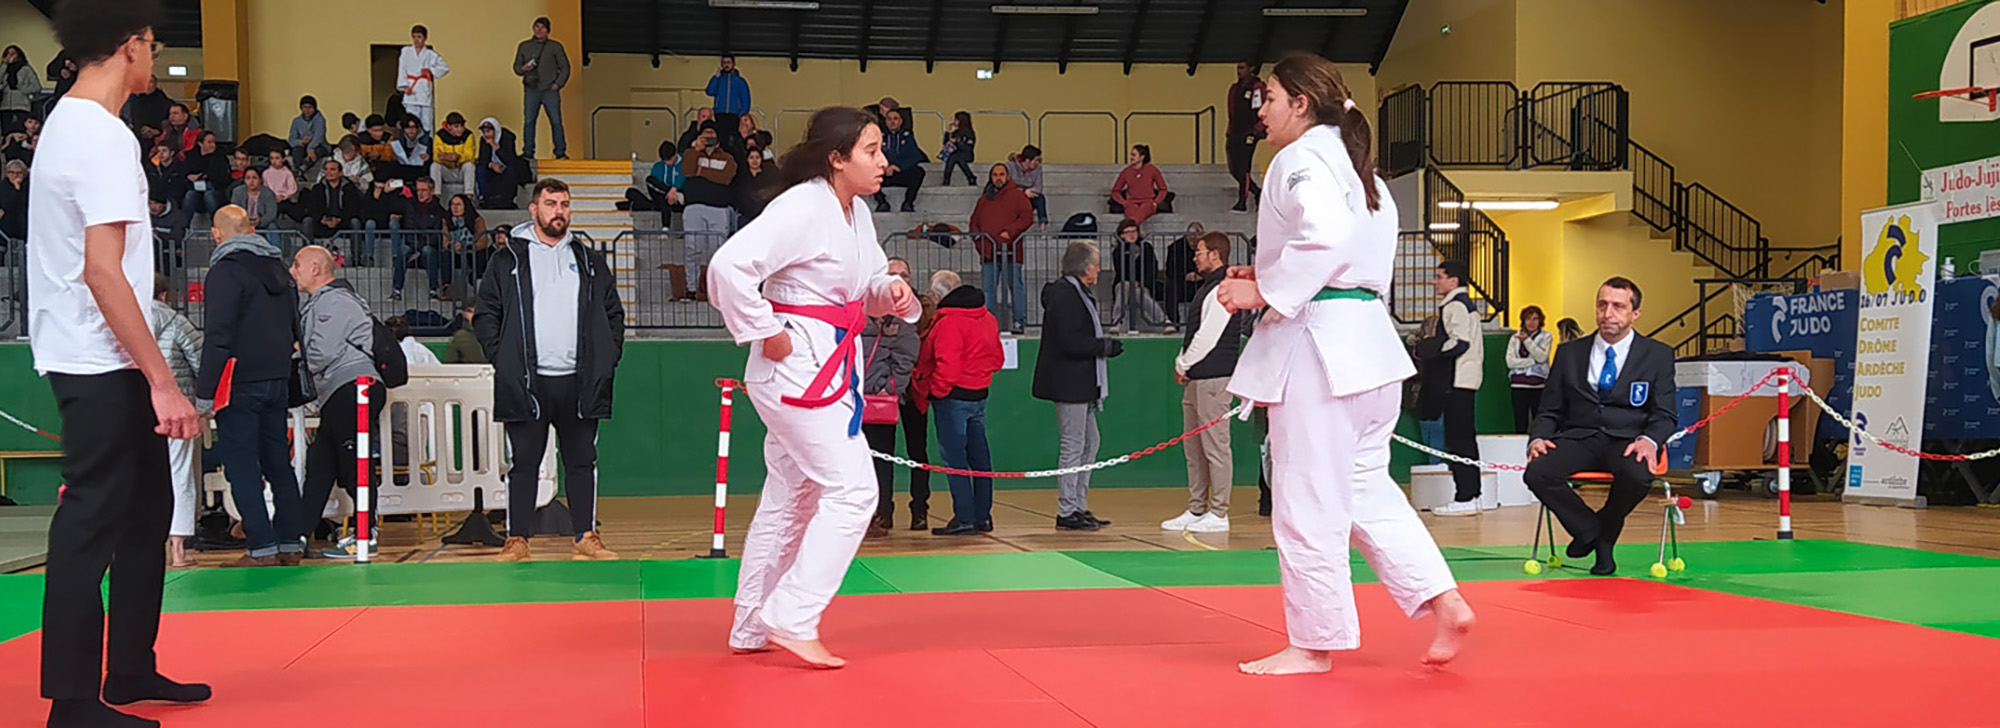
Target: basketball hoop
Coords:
[[1975, 94]]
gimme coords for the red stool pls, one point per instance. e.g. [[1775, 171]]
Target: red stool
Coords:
[[1672, 515]]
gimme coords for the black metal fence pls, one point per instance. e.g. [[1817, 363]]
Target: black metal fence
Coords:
[[1458, 231]]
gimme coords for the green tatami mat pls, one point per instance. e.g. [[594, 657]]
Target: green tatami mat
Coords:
[[402, 585], [1920, 596], [716, 579], [20, 605], [989, 572], [1184, 568]]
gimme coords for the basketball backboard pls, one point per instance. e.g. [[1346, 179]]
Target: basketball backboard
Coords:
[[1969, 76]]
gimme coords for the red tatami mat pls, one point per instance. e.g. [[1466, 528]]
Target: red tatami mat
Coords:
[[1553, 653]]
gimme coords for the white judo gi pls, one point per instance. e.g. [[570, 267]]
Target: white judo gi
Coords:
[[419, 93], [1328, 369], [819, 487]]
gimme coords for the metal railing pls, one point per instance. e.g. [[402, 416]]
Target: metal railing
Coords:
[[1117, 145], [1474, 124], [1577, 125], [437, 275], [1457, 231], [1654, 190], [1721, 234], [13, 287], [1402, 121], [1125, 127]]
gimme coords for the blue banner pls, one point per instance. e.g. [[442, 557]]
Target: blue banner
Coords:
[[1962, 399], [1823, 323]]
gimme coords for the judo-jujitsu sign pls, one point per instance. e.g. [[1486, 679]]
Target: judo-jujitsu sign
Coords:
[[1892, 347]]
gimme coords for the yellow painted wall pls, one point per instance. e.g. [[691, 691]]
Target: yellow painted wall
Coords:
[[1480, 46], [622, 79], [1560, 256], [299, 48], [1864, 113], [22, 25], [1743, 97]]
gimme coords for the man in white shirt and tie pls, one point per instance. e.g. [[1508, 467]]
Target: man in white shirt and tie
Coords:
[[1608, 407]]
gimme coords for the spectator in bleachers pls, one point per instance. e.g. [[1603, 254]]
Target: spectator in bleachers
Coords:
[[954, 373], [417, 70], [250, 305], [62, 72], [334, 204], [257, 201], [1245, 97], [501, 171], [18, 86], [957, 149], [307, 137], [454, 157], [20, 146], [414, 352], [1141, 190], [413, 152], [1183, 275], [1568, 330], [883, 109], [1137, 276], [663, 186], [148, 110], [1071, 371], [741, 143], [351, 126], [1207, 360], [749, 198], [180, 133], [464, 345], [166, 190], [711, 197], [207, 171], [14, 201], [382, 208], [543, 66], [999, 218], [1025, 169], [892, 346], [352, 163], [731, 93], [239, 162], [377, 145], [279, 179], [702, 116], [905, 158], [421, 237], [465, 232]]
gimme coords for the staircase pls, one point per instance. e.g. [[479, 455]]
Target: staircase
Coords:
[[596, 186]]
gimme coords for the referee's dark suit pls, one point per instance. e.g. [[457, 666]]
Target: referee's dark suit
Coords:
[[1591, 428]]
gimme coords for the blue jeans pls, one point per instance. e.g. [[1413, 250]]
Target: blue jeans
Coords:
[[422, 245], [1433, 432], [1041, 205], [254, 450], [990, 273], [961, 431], [532, 103]]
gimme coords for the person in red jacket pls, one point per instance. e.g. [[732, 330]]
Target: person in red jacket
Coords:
[[955, 367], [1002, 214], [1141, 190]]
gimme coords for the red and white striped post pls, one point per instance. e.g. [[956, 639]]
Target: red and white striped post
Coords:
[[728, 386], [361, 531], [1785, 452]]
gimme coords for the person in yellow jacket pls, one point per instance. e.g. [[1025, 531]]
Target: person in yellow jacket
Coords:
[[455, 158]]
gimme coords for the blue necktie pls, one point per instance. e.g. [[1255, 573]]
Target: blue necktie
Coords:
[[1609, 377]]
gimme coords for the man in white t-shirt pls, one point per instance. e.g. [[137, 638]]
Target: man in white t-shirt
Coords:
[[90, 265]]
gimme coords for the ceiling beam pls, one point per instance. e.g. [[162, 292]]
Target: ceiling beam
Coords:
[[1388, 35], [1200, 35], [1132, 39], [796, 24], [653, 41], [867, 29], [1069, 36], [931, 37], [1264, 35], [1000, 41], [728, 17]]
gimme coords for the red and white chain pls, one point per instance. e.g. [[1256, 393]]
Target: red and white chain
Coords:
[[1072, 470], [1890, 446]]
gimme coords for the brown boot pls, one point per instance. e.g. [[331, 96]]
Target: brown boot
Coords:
[[591, 548], [247, 561], [515, 551], [290, 558]]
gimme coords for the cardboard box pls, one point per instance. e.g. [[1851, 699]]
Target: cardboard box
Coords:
[[1737, 439], [1840, 280]]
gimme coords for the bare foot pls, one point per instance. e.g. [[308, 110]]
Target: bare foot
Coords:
[[749, 650], [811, 651], [1454, 621], [1291, 661]]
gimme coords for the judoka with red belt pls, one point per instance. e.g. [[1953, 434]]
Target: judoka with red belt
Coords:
[[797, 285]]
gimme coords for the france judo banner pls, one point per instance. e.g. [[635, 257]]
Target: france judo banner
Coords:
[[1822, 323], [1892, 349], [1964, 391]]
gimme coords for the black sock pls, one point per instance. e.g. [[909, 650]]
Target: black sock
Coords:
[[1605, 566], [121, 690], [93, 714]]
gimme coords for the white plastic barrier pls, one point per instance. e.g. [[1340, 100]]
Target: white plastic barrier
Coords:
[[447, 412]]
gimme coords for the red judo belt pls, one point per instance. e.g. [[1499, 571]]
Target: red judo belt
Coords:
[[846, 321]]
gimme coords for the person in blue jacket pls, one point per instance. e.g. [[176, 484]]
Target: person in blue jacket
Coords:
[[900, 147], [732, 99]]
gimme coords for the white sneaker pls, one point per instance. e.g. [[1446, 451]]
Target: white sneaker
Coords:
[[1180, 522], [1461, 508], [1209, 523], [1489, 505]]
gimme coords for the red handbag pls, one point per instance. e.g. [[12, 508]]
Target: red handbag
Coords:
[[878, 409]]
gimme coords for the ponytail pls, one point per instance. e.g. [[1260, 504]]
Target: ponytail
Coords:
[[1320, 82]]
